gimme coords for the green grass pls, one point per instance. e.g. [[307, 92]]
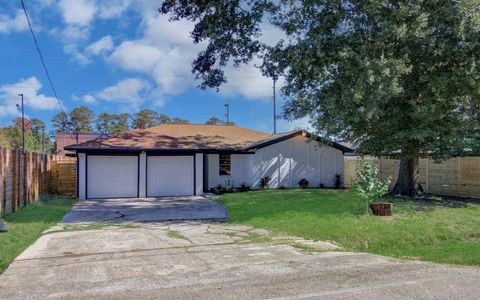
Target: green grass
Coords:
[[426, 230], [26, 225]]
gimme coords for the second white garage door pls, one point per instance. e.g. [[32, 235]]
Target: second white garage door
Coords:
[[169, 176]]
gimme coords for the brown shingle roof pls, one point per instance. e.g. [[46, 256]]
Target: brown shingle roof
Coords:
[[179, 137]]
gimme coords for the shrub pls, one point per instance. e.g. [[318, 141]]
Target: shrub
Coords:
[[303, 183], [244, 187], [337, 180], [368, 186], [322, 185], [264, 181], [218, 190], [228, 185]]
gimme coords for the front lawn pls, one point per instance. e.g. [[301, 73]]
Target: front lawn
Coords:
[[26, 225], [446, 232]]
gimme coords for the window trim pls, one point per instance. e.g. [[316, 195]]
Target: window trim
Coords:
[[228, 159]]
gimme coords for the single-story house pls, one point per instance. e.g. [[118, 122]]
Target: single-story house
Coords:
[[179, 159]]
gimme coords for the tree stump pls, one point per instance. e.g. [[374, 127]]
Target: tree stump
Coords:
[[381, 209]]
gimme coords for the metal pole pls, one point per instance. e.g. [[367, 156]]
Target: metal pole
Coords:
[[228, 113], [274, 105], [23, 125]]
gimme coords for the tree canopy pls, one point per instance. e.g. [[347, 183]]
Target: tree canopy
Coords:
[[214, 121], [217, 121], [145, 118], [385, 75], [148, 118], [112, 123], [81, 119], [11, 136]]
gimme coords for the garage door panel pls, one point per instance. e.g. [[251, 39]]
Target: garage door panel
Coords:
[[112, 176], [169, 176]]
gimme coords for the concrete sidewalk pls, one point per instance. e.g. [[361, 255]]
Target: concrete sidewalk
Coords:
[[217, 261]]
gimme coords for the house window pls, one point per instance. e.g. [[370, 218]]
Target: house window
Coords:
[[225, 164]]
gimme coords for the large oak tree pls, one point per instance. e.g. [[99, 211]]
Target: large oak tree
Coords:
[[389, 76]]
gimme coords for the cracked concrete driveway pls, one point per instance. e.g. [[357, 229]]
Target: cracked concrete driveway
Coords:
[[124, 249], [145, 210], [195, 260]]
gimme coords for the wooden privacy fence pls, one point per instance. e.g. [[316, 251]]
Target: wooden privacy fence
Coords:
[[459, 176], [25, 176]]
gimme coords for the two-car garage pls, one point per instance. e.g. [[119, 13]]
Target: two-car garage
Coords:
[[123, 176]]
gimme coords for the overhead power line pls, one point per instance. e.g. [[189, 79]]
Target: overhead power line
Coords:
[[41, 57]]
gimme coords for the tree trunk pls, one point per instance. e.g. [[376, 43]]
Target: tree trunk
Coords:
[[407, 182]]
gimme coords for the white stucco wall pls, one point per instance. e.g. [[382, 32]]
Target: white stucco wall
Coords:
[[286, 163], [81, 176], [142, 172], [289, 161], [199, 174], [240, 170]]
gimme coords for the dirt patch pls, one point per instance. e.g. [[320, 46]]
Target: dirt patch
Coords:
[[427, 202]]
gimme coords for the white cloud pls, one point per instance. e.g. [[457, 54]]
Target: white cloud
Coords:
[[284, 125], [10, 24], [80, 57], [89, 99], [75, 33], [136, 56], [165, 52], [103, 45], [79, 17], [33, 100], [248, 82], [78, 12], [113, 8], [130, 91]]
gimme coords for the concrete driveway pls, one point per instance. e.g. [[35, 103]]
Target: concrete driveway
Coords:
[[145, 210], [201, 260]]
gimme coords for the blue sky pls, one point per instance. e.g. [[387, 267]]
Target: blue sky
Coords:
[[119, 56]]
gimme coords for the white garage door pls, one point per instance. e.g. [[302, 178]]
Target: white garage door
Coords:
[[169, 176], [112, 176]]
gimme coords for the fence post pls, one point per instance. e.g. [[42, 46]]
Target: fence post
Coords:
[[14, 181], [2, 183], [459, 171], [427, 175]]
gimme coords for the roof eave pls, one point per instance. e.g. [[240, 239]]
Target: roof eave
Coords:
[[157, 150], [307, 134]]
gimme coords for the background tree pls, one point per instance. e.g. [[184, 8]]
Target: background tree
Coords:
[[112, 123], [60, 123], [385, 75], [145, 118], [11, 136], [27, 123], [164, 119], [38, 126], [81, 119], [40, 136], [217, 121], [177, 120], [214, 121]]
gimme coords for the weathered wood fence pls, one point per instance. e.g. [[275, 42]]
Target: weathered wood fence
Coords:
[[24, 177], [459, 176]]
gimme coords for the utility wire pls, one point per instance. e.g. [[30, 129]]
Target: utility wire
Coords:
[[41, 58], [46, 70]]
